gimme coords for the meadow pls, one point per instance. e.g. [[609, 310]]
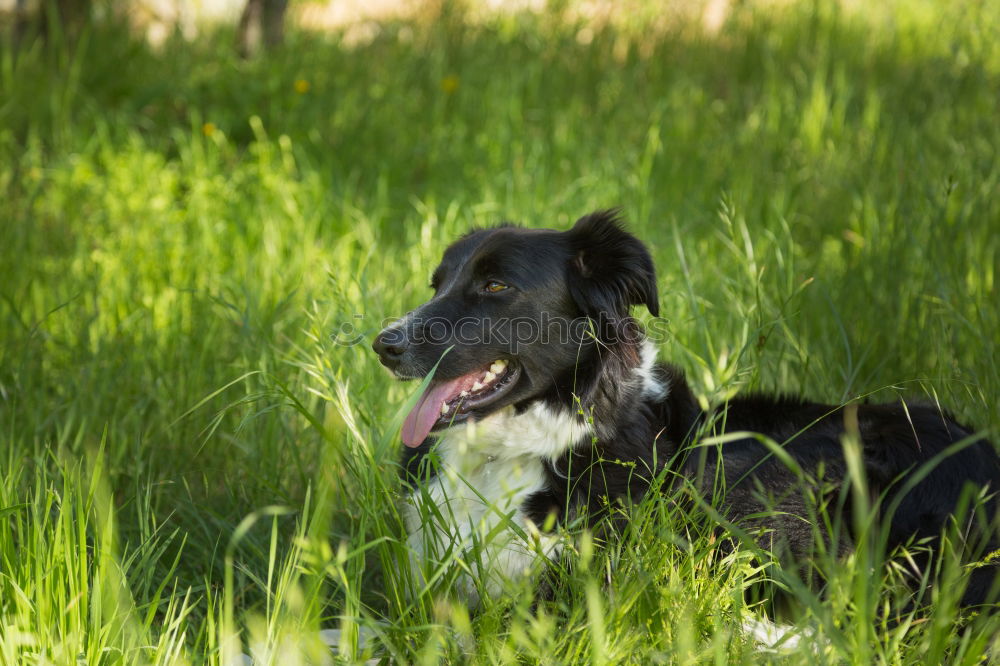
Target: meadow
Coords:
[[198, 445]]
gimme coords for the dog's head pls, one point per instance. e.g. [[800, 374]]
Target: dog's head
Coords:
[[517, 311]]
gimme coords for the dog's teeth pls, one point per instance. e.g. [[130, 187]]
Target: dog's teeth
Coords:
[[488, 377], [463, 394], [478, 387], [444, 408], [498, 367]]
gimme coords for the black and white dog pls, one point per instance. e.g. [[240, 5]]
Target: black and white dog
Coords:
[[547, 405]]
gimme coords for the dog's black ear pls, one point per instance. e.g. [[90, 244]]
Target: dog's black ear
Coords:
[[610, 269]]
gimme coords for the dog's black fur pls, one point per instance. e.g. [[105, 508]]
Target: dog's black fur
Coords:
[[591, 276]]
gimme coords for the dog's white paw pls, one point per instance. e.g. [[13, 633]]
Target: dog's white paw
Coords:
[[773, 637]]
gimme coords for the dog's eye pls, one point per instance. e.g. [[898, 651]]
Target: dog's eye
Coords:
[[493, 287]]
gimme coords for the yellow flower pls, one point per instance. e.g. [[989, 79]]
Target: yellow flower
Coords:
[[449, 84], [301, 86], [208, 129]]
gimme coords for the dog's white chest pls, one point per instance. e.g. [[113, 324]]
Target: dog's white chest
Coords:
[[470, 512]]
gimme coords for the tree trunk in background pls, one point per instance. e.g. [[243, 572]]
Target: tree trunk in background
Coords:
[[64, 18], [262, 22]]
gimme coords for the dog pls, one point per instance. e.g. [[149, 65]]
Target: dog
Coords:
[[547, 406]]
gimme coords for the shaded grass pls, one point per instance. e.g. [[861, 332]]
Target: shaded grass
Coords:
[[818, 188]]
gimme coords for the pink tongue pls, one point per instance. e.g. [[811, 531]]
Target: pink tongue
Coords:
[[421, 418]]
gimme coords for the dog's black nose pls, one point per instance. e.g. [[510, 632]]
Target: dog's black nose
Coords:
[[390, 345]]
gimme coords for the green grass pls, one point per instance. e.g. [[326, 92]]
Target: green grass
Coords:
[[191, 466]]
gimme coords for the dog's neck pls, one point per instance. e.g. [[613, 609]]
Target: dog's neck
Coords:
[[623, 373]]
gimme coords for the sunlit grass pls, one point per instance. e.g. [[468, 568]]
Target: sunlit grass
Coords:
[[194, 468]]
